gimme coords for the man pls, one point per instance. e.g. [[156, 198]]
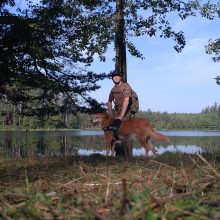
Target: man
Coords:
[[121, 96]]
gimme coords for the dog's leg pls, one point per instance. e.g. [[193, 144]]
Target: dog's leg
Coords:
[[108, 148], [113, 147], [146, 150], [108, 141], [143, 142], [151, 146]]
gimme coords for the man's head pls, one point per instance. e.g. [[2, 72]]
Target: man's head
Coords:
[[116, 77]]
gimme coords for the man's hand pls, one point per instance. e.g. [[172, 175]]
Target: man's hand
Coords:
[[116, 124]]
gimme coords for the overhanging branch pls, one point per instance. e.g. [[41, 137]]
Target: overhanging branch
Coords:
[[15, 19]]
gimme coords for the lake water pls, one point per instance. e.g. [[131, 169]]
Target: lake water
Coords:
[[54, 143]]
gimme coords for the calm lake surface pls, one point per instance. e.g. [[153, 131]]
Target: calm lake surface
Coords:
[[54, 143]]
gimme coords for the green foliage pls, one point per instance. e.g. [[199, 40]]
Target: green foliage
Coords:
[[37, 53], [211, 11], [10, 118], [213, 47], [208, 119], [47, 46]]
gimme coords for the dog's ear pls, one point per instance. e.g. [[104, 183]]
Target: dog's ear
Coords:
[[106, 114]]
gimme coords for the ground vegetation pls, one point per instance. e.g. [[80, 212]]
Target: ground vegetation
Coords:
[[169, 186]]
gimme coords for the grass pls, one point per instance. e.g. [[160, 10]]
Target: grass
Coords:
[[169, 186]]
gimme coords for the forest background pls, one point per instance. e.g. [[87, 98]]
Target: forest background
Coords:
[[207, 119]]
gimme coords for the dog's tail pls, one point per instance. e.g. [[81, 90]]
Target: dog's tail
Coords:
[[159, 137]]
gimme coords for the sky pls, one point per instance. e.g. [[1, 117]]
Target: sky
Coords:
[[165, 80], [168, 81]]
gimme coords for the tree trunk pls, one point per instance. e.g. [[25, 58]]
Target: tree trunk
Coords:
[[65, 118], [120, 46], [121, 66]]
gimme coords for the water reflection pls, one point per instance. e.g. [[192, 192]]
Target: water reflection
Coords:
[[56, 143]]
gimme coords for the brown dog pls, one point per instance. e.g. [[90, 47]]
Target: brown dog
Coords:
[[139, 128]]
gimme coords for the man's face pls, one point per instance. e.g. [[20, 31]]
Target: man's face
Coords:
[[116, 79]]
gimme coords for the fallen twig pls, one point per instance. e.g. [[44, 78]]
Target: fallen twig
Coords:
[[209, 165]]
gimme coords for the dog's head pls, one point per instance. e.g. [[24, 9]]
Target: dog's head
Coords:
[[99, 118]]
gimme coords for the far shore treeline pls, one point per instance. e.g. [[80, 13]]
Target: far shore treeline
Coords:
[[207, 119]]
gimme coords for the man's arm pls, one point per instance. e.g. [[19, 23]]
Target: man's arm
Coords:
[[109, 107], [124, 108], [110, 100]]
